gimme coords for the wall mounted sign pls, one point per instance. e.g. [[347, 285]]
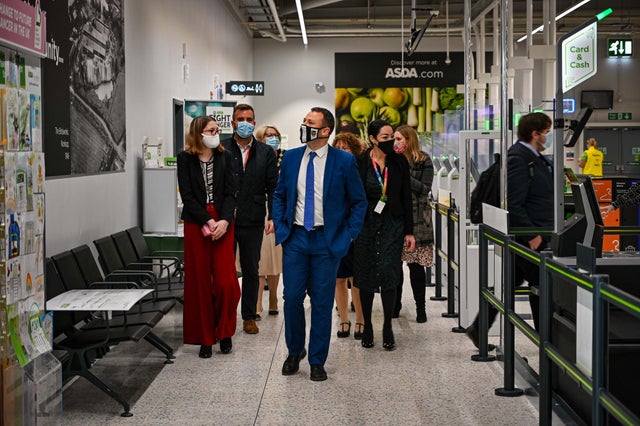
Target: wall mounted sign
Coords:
[[619, 116], [23, 26], [245, 88], [619, 47]]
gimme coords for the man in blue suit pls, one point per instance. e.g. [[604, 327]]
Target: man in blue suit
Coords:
[[318, 209]]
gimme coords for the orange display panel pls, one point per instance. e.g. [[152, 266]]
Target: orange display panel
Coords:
[[603, 190], [611, 243]]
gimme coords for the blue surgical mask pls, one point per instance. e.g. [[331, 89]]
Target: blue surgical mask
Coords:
[[273, 141], [245, 129]]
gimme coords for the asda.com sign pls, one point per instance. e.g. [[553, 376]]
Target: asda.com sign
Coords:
[[377, 69]]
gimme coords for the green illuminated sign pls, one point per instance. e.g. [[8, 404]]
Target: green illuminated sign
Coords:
[[617, 47], [619, 116]]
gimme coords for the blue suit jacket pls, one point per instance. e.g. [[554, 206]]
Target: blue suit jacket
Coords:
[[344, 203]]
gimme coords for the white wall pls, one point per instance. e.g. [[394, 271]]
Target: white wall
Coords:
[[82, 209]]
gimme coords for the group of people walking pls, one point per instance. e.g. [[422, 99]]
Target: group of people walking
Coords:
[[323, 216]]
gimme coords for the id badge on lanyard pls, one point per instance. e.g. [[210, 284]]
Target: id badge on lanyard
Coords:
[[382, 202]]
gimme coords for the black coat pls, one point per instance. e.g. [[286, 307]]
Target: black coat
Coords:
[[193, 192], [256, 183], [398, 186], [529, 189]]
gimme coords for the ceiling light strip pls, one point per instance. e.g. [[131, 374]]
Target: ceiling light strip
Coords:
[[303, 28], [562, 15]]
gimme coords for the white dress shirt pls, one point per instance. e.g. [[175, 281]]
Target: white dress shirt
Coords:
[[318, 185]]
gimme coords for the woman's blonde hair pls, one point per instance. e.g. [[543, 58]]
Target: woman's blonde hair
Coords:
[[413, 152], [193, 139], [263, 129], [592, 142]]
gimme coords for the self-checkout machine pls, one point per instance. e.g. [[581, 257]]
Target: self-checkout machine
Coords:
[[476, 148]]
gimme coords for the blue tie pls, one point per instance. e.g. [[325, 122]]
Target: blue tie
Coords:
[[309, 220]]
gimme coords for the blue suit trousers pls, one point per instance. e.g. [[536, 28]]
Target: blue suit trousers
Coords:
[[308, 266]]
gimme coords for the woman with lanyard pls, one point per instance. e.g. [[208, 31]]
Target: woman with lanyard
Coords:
[[388, 228]]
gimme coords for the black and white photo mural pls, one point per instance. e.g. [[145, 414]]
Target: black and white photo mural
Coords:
[[84, 87]]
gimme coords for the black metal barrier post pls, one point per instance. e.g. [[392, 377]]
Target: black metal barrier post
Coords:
[[483, 313], [438, 255], [458, 328], [508, 355], [452, 266], [546, 311]]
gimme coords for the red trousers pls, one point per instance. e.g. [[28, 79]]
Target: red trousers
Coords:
[[211, 288]]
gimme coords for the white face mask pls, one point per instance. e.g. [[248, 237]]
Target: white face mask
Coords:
[[211, 141]]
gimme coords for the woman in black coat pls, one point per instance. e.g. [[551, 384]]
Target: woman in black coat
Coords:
[[388, 227]]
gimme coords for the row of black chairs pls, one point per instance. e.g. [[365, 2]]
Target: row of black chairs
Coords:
[[82, 337]]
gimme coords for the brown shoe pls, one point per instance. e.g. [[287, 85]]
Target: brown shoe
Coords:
[[250, 327]]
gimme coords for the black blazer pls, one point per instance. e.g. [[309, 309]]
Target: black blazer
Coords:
[[398, 186], [193, 192], [256, 183]]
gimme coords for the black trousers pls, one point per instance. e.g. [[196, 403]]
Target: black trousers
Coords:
[[248, 240]]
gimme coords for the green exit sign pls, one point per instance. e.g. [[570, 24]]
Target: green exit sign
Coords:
[[617, 47], [619, 116]]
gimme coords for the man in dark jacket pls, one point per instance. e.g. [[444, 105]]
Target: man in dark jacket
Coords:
[[255, 167], [529, 201]]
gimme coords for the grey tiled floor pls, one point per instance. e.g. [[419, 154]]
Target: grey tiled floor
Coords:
[[428, 380]]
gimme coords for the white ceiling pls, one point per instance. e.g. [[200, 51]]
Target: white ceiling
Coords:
[[375, 18]]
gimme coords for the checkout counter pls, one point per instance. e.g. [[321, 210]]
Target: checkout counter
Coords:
[[586, 225]]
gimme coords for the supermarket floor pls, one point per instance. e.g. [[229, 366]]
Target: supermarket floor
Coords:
[[429, 380]]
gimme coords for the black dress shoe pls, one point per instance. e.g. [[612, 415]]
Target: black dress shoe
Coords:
[[317, 373], [225, 345], [344, 333], [472, 333], [367, 337], [388, 340], [292, 363], [205, 351], [421, 315], [357, 334]]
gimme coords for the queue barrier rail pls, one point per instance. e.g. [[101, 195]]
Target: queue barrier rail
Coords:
[[604, 296], [450, 258]]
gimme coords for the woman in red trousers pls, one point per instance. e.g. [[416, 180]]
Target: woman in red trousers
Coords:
[[208, 188]]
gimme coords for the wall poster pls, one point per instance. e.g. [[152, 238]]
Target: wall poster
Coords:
[[419, 91], [84, 87]]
